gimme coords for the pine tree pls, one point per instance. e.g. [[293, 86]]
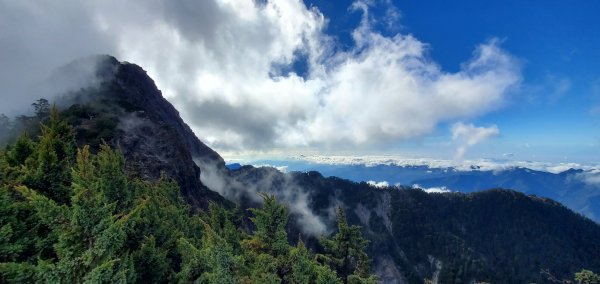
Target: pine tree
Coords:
[[151, 263], [305, 268], [223, 223], [55, 151], [270, 236], [345, 252], [220, 261], [192, 263], [90, 236], [268, 248], [23, 149], [112, 180]]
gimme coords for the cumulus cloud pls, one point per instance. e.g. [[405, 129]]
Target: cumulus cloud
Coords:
[[227, 66], [468, 135]]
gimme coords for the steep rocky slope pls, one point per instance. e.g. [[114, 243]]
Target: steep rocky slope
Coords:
[[120, 104]]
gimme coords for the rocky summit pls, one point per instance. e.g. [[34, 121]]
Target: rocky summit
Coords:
[[121, 105]]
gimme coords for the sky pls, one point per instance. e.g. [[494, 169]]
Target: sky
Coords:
[[517, 80]]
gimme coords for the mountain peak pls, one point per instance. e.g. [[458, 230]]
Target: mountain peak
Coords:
[[117, 102]]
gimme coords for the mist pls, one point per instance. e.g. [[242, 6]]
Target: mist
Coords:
[[245, 188]]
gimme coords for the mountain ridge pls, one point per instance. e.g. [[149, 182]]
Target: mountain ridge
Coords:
[[141, 123], [576, 188]]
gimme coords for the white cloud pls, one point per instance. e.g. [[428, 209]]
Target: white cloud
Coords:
[[380, 184], [282, 169], [458, 165], [468, 135], [441, 189], [224, 65], [591, 177]]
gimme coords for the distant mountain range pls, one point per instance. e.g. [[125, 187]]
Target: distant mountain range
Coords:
[[577, 189]]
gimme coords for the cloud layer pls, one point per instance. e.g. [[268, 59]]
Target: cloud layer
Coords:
[[228, 67], [459, 165]]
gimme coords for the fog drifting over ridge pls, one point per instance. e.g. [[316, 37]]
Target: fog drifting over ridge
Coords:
[[227, 66]]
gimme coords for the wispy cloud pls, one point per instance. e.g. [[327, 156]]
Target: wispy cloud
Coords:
[[591, 177], [468, 135]]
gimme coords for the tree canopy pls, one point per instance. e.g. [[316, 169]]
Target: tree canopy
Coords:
[[69, 215]]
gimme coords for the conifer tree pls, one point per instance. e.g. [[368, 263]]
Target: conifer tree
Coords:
[[90, 236], [270, 236], [305, 268], [55, 152], [267, 249], [112, 181], [18, 154], [220, 261], [151, 263], [221, 221], [345, 252]]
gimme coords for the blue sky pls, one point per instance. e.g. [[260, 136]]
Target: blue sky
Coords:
[[508, 79], [554, 115]]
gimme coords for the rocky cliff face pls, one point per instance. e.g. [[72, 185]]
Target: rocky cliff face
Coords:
[[121, 104]]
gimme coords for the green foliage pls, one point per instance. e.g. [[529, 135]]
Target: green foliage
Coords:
[[219, 259], [112, 180], [152, 263], [268, 248], [51, 173], [306, 270], [347, 253], [223, 223], [270, 221], [587, 277], [73, 216], [13, 272], [14, 223], [24, 147], [93, 123]]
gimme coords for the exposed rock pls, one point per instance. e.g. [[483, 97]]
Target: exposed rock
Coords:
[[149, 130]]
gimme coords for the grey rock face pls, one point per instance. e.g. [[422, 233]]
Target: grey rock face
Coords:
[[148, 130]]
